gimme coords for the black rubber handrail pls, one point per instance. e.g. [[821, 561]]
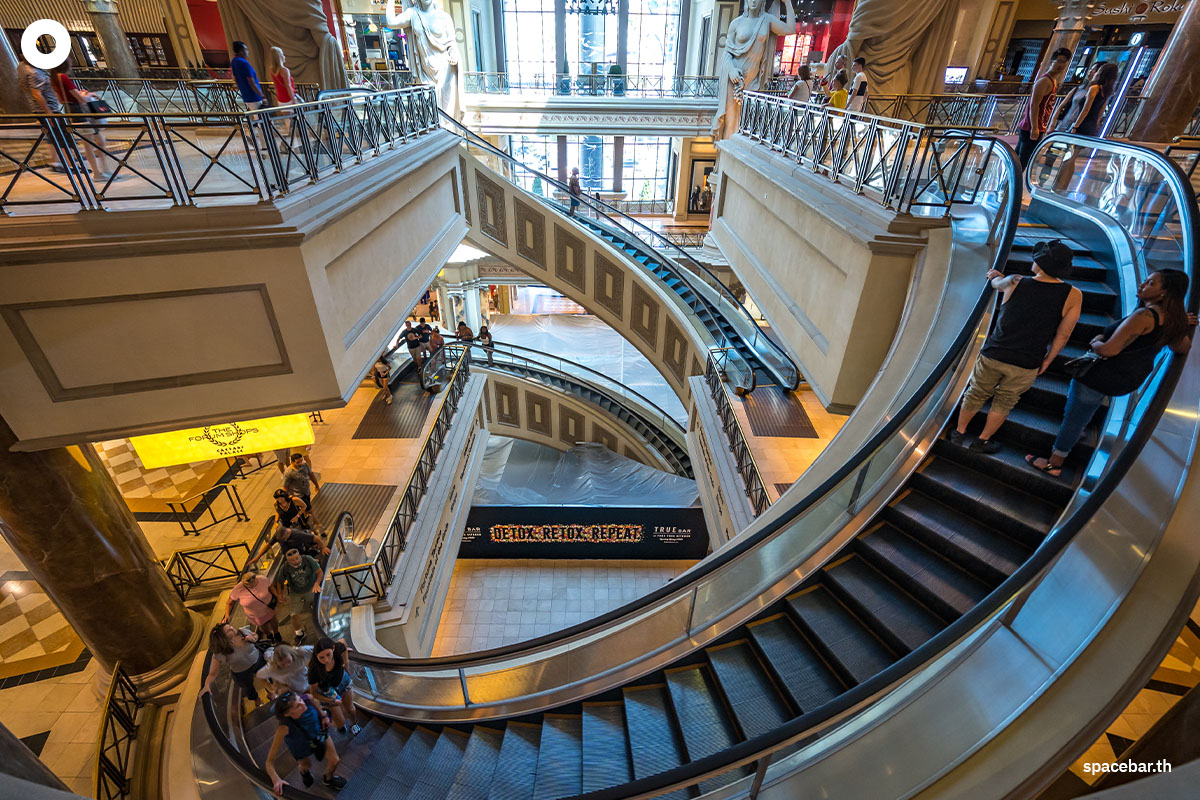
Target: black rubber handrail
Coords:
[[465, 133], [719, 560]]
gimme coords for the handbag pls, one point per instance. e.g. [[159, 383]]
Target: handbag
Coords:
[[98, 106], [1078, 367]]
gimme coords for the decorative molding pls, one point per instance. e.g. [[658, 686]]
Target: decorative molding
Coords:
[[466, 190], [604, 436], [531, 232], [13, 316], [537, 413], [606, 274], [643, 317], [696, 368], [675, 350], [571, 270], [492, 220], [507, 410], [570, 425]]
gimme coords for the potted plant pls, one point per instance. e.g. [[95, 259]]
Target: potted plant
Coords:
[[564, 78], [616, 78]]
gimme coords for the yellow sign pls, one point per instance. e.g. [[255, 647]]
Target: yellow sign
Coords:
[[220, 441]]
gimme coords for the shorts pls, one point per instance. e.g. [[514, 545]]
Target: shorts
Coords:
[[1001, 382], [303, 748], [301, 606]]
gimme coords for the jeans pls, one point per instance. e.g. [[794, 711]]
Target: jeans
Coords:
[[1082, 402]]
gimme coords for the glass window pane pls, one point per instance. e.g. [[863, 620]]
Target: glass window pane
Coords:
[[653, 38], [529, 42], [594, 157], [647, 168], [539, 152]]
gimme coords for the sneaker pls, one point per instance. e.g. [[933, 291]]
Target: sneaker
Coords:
[[985, 446], [308, 779], [300, 637], [335, 781], [956, 438], [355, 730]]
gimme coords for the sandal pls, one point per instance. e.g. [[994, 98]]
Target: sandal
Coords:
[[1049, 469]]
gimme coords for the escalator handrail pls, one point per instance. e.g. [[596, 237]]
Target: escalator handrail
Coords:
[[465, 133], [1041, 559], [635, 394], [739, 547]]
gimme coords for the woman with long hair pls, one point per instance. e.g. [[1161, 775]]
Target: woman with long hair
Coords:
[[235, 648], [1126, 350], [1083, 108], [285, 88]]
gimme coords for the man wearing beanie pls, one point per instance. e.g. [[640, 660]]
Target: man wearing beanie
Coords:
[[1036, 318]]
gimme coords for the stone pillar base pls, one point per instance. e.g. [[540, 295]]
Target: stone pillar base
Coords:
[[156, 684]]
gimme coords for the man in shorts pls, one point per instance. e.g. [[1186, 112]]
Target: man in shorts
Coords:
[[302, 577]]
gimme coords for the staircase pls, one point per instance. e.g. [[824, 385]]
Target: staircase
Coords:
[[960, 525]]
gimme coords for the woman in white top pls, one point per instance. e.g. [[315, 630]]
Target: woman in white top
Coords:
[[802, 88]]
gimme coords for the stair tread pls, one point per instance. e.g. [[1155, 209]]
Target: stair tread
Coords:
[[518, 755], [437, 773], [473, 780], [756, 703], [1019, 511], [605, 754], [560, 756], [930, 574], [804, 676], [653, 740], [396, 782], [898, 619], [852, 648], [702, 718]]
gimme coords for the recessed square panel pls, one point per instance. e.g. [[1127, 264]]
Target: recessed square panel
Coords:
[[568, 257], [537, 413], [491, 208], [609, 286], [531, 232], [675, 350], [604, 436], [570, 426], [507, 410], [643, 316]]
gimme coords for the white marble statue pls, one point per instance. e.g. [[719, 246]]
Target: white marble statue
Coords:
[[433, 50], [298, 27], [746, 62], [906, 45]]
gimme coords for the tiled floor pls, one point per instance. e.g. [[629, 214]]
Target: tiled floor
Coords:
[[135, 481], [494, 602]]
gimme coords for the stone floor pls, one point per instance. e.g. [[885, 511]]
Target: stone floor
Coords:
[[494, 602]]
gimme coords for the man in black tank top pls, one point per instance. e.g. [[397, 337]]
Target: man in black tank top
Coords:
[[1036, 318]]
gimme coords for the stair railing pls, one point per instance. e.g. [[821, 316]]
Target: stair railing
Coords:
[[204, 504], [747, 467], [114, 743], [657, 245], [200, 566]]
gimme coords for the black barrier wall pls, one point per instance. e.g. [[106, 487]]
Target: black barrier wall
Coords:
[[584, 532]]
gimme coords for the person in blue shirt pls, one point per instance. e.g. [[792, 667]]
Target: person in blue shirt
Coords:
[[303, 728], [246, 78]]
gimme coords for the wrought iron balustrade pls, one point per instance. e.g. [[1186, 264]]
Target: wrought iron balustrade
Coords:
[[598, 85], [114, 744], [204, 503], [147, 160], [167, 96], [200, 566], [369, 580], [747, 468]]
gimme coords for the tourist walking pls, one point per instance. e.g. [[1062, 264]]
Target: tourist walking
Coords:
[[575, 190], [304, 730], [464, 334], [79, 101], [858, 86], [286, 670], [379, 373], [423, 332], [1121, 357], [299, 578], [257, 598], [485, 341], [285, 88], [40, 98], [1036, 318], [291, 511], [329, 682], [296, 479], [246, 78], [412, 340], [236, 649], [1035, 120]]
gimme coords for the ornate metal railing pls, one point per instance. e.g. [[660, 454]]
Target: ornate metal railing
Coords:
[[747, 468], [370, 580], [163, 96], [1185, 152], [905, 166], [604, 85], [168, 160], [114, 743], [381, 79], [200, 566], [686, 238], [184, 73], [1000, 112]]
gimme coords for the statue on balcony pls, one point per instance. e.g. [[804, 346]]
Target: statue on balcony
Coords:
[[746, 63], [434, 52], [906, 45], [298, 27]]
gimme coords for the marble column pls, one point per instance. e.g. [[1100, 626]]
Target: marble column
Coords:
[[11, 100], [103, 16], [61, 514], [182, 32], [472, 309], [1068, 29], [1173, 90], [18, 761]]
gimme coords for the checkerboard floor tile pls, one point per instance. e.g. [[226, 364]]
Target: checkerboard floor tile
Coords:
[[33, 634], [135, 481]]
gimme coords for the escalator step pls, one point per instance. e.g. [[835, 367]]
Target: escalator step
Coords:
[[654, 743], [1014, 513], [396, 782], [896, 617], [358, 750], [982, 551], [474, 778], [843, 641], [517, 762], [438, 771], [702, 718], [804, 676], [757, 705], [1009, 466], [606, 759], [1098, 297], [560, 757], [924, 574]]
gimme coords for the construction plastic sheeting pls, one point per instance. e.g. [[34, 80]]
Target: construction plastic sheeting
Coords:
[[586, 340], [519, 473]]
